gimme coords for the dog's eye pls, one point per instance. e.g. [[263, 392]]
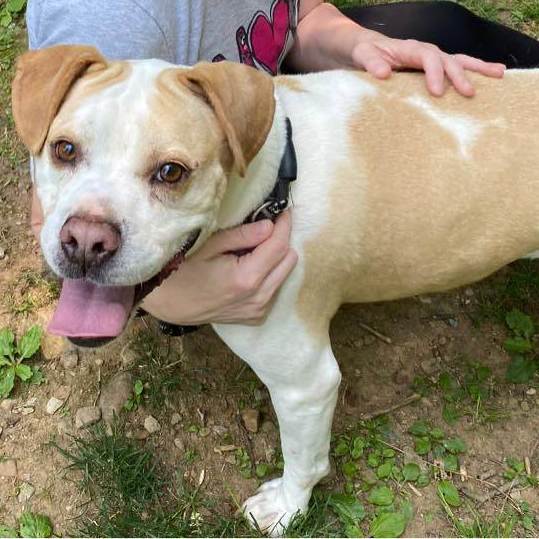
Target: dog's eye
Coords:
[[65, 151], [171, 173]]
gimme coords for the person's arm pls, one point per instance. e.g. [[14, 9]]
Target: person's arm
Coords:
[[327, 39]]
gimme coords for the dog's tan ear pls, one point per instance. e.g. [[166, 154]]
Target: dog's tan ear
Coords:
[[242, 99], [42, 80]]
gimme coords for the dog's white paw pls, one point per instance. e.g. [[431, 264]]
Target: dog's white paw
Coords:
[[271, 510]]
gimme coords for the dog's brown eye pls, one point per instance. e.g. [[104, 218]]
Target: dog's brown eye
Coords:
[[171, 173], [65, 151]]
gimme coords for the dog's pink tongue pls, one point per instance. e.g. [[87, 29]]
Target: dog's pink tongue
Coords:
[[87, 310]]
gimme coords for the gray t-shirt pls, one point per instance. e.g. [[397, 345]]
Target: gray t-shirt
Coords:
[[254, 32]]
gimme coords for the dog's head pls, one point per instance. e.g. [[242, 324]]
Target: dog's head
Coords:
[[131, 161]]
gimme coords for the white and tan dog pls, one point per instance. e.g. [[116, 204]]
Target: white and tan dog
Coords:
[[398, 194]]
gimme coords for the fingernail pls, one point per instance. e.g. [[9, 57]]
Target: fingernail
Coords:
[[262, 226]]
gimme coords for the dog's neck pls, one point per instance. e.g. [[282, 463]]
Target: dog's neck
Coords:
[[243, 195]]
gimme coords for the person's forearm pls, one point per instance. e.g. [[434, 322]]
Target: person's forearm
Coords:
[[325, 40]]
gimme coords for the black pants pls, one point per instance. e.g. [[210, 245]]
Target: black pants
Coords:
[[453, 28]]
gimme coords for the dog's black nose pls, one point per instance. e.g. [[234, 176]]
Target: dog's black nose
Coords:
[[89, 242]]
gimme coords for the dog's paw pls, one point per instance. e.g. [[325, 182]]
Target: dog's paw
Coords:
[[270, 509]]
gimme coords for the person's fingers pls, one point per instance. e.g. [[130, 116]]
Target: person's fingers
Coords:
[[370, 58], [479, 66], [257, 265], [456, 74], [431, 63], [238, 238], [277, 276]]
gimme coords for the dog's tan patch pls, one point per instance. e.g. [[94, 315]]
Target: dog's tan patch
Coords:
[[96, 79], [410, 214], [290, 82]]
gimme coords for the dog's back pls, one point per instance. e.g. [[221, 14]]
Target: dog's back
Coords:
[[419, 194]]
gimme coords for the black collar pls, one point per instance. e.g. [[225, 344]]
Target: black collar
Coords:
[[277, 200]]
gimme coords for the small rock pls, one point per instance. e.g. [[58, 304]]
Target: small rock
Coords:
[[425, 299], [531, 391], [428, 366], [141, 434], [64, 426], [52, 346], [2, 253], [468, 292], [369, 340], [70, 359], [525, 406], [87, 416], [219, 430], [175, 419], [7, 404], [152, 425], [358, 343], [26, 491], [259, 395], [8, 468], [453, 322], [53, 405], [442, 341], [267, 426], [27, 410], [1, 431], [114, 395], [31, 402], [179, 444], [250, 418]]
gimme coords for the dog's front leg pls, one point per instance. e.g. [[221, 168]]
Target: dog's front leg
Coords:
[[303, 380]]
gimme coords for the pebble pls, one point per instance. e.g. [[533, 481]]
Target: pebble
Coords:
[[53, 405], [114, 395], [8, 468], [64, 426], [369, 339], [1, 431], [179, 444], [175, 419], [7, 404], [87, 416], [531, 391], [428, 366], [468, 292], [219, 430], [442, 341], [250, 418], [453, 322], [27, 410], [152, 425], [141, 434], [267, 426], [26, 491], [2, 253], [70, 359]]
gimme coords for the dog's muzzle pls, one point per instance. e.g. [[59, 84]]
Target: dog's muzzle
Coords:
[[91, 315]]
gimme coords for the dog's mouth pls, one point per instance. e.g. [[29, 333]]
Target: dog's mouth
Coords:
[[91, 315]]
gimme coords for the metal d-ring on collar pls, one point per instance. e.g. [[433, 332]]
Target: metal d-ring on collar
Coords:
[[271, 208], [277, 200]]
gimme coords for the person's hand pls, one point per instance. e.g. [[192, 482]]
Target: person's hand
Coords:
[[215, 285], [380, 55], [327, 39]]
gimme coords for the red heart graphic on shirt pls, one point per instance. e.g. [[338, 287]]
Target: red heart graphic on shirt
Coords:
[[268, 37]]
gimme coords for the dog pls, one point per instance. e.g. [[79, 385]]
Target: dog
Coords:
[[397, 194]]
